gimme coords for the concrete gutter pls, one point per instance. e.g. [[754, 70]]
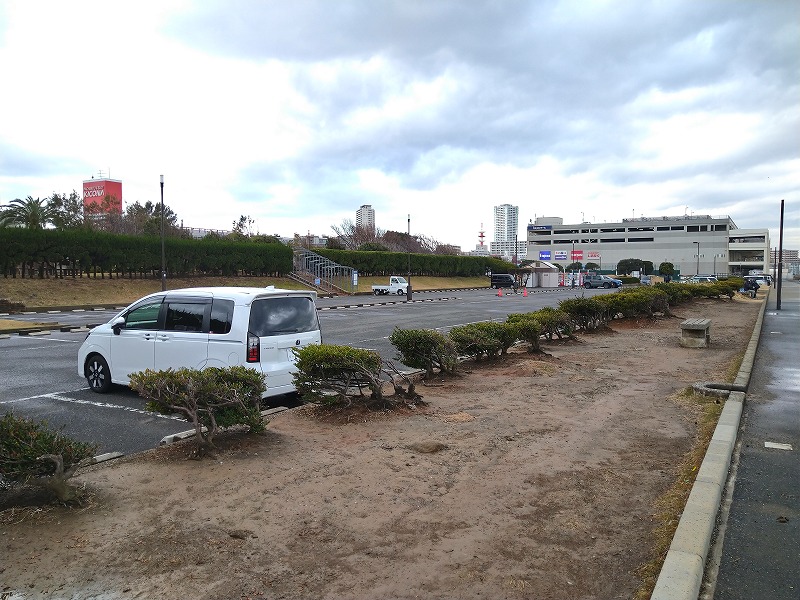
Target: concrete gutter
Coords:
[[682, 572]]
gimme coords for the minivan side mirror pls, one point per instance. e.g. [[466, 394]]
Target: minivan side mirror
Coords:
[[117, 325]]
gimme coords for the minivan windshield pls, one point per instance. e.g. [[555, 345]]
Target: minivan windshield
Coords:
[[278, 316]]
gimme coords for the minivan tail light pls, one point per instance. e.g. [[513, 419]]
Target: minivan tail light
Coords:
[[253, 348]]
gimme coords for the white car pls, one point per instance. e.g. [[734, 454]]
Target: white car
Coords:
[[203, 327]]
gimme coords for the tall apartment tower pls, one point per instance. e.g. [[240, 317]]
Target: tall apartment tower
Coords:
[[506, 227], [365, 217]]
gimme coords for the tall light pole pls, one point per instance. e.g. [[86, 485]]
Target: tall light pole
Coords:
[[697, 268], [408, 282], [163, 255]]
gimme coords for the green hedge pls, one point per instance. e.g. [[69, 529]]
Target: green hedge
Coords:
[[54, 253], [431, 265]]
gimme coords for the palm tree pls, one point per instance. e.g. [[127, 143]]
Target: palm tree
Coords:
[[28, 213]]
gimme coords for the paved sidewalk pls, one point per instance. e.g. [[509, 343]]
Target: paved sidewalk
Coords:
[[761, 548]]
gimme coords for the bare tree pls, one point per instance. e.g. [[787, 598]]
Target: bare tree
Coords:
[[352, 236]]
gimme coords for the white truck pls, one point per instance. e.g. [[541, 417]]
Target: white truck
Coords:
[[397, 285]]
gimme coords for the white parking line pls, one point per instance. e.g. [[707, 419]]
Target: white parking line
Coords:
[[777, 446], [58, 396]]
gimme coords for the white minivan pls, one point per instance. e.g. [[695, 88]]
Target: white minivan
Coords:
[[203, 327]]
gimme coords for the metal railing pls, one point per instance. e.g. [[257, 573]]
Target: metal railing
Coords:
[[322, 273]]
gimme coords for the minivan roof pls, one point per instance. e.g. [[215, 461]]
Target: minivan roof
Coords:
[[240, 295]]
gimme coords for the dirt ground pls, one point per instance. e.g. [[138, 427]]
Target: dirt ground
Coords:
[[529, 477]]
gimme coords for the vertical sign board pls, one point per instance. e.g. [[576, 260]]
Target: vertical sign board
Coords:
[[355, 278], [95, 192], [577, 255]]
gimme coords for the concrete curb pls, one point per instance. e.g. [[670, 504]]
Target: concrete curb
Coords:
[[177, 437], [682, 572]]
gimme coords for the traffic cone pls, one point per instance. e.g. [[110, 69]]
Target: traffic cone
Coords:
[[524, 292], [500, 292]]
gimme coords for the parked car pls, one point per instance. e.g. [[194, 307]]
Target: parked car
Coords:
[[592, 280], [203, 327], [503, 280], [703, 279], [397, 285], [762, 280]]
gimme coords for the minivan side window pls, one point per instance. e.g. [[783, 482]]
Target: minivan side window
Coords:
[[144, 316], [278, 316], [184, 316], [221, 316]]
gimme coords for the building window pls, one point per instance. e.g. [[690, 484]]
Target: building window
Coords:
[[604, 240], [638, 239]]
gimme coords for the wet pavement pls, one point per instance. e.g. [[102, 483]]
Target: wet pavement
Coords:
[[761, 548]]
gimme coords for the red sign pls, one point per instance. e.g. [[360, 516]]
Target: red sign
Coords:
[[102, 195], [591, 255], [577, 255]]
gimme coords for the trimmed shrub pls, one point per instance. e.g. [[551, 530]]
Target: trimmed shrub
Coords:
[[211, 399], [528, 329], [627, 279], [646, 301], [327, 373], [425, 349], [482, 339], [586, 313], [33, 454], [554, 322], [677, 293]]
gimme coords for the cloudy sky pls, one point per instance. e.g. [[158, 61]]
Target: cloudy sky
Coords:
[[296, 112]]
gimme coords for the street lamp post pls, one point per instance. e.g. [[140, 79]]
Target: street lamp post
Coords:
[[163, 255], [697, 268], [408, 282]]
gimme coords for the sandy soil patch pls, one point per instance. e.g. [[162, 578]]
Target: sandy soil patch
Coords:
[[529, 477]]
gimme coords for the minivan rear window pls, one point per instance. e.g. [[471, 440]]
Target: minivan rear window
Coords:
[[279, 316]]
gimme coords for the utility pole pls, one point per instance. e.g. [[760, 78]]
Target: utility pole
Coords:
[[163, 255], [408, 281], [780, 264]]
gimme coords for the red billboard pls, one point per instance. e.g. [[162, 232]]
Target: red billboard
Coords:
[[577, 255], [102, 196]]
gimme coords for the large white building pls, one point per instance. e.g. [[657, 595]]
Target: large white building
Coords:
[[365, 217], [694, 244], [506, 242]]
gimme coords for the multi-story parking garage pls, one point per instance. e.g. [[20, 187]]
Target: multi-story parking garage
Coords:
[[694, 244]]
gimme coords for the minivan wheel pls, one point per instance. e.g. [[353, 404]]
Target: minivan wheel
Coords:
[[98, 375], [401, 292], [587, 285], [606, 285]]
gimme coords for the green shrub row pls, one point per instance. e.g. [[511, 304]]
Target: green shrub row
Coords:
[[678, 293]]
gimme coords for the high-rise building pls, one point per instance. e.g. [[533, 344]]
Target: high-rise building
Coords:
[[506, 228], [365, 217]]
